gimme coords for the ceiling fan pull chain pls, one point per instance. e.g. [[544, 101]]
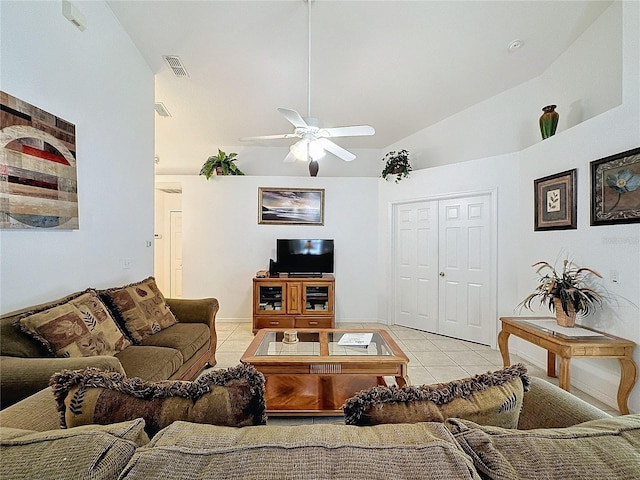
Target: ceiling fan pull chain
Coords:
[[314, 141], [309, 62]]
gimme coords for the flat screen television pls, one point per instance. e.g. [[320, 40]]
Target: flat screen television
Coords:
[[304, 256]]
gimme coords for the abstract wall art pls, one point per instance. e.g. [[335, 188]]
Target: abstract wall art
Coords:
[[38, 177]]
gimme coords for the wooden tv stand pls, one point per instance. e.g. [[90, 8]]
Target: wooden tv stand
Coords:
[[294, 302]]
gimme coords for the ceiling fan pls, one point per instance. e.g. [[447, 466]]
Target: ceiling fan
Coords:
[[314, 140]]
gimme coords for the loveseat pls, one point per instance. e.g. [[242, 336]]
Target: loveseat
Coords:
[[176, 349], [559, 436]]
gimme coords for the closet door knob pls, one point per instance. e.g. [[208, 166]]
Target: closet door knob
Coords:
[[442, 274]]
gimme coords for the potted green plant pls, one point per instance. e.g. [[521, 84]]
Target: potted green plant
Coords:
[[221, 164], [396, 163], [566, 292]]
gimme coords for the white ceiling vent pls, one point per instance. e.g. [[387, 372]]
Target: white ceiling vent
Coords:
[[161, 109], [176, 66]]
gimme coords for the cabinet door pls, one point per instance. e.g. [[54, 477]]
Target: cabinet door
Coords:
[[318, 298], [270, 298], [294, 297]]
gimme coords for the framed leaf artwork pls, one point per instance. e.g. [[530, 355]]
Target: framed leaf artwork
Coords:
[[555, 201]]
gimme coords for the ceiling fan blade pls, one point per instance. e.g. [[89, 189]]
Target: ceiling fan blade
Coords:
[[268, 137], [352, 131], [294, 117], [290, 158], [337, 150]]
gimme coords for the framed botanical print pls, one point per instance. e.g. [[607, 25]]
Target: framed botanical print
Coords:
[[291, 206], [555, 201], [615, 189]]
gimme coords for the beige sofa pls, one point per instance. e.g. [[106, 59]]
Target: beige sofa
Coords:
[[552, 442], [180, 351]]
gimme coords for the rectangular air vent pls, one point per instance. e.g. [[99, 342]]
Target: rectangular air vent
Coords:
[[161, 110], [176, 66]]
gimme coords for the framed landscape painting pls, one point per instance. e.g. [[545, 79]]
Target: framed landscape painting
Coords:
[[291, 206], [615, 189], [555, 201]]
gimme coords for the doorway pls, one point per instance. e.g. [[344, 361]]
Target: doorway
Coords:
[[444, 277], [175, 256]]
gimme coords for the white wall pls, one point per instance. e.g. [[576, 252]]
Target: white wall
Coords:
[[224, 246], [49, 63], [591, 132], [489, 175], [603, 248], [584, 82], [259, 160]]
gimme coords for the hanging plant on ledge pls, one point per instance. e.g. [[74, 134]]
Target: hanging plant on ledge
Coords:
[[396, 163], [221, 164]]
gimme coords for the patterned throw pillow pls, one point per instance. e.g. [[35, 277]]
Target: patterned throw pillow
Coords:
[[231, 397], [139, 308], [488, 399], [81, 327]]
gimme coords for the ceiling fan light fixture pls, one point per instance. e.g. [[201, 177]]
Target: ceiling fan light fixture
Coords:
[[306, 149], [314, 140]]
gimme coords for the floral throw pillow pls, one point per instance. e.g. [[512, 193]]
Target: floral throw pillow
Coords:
[[139, 308], [81, 327]]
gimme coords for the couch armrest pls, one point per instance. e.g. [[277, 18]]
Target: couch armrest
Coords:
[[38, 412], [22, 377], [203, 310], [548, 406], [188, 310]]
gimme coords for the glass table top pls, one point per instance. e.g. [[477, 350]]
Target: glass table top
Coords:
[[338, 344]]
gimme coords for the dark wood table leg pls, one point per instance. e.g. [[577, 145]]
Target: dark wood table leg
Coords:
[[551, 364]]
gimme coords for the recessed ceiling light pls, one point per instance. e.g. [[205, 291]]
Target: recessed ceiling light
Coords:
[[515, 45]]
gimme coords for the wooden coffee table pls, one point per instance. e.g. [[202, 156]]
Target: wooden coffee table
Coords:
[[316, 375]]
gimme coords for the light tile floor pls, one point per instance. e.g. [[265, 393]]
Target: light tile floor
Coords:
[[432, 358]]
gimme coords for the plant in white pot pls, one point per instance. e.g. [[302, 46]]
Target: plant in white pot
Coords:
[[566, 292], [221, 164], [396, 163]]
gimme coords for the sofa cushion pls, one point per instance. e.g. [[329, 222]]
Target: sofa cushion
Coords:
[[490, 398], [97, 452], [187, 338], [80, 327], [337, 452], [606, 448], [139, 308], [150, 363], [233, 397], [15, 343]]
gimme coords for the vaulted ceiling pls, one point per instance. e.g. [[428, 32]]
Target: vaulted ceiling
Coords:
[[399, 66]]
